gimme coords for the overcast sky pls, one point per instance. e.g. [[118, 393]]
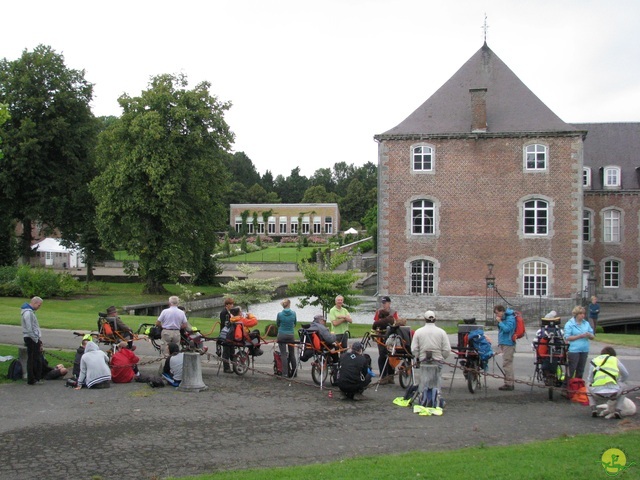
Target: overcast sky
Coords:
[[312, 82]]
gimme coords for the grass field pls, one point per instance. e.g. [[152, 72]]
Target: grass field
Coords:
[[565, 457], [272, 255]]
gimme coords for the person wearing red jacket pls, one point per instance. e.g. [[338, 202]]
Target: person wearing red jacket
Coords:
[[123, 364]]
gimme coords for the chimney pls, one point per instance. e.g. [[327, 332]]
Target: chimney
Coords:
[[478, 110]]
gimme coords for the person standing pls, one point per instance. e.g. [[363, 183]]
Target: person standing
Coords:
[[32, 340], [171, 320], [577, 333], [429, 344], [225, 324], [354, 372], [506, 319], [340, 319], [382, 319], [286, 321], [594, 311]]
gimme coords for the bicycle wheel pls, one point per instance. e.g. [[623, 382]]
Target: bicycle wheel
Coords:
[[241, 362], [319, 377], [473, 377], [405, 374]]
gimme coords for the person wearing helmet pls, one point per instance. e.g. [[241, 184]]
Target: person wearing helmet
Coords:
[[430, 345], [354, 374]]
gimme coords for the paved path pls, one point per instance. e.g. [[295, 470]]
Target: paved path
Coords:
[[135, 432]]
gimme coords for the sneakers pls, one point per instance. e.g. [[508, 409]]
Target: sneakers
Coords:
[[594, 412], [392, 379], [616, 415], [506, 388]]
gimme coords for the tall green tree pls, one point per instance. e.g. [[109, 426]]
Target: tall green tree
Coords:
[[318, 194], [321, 287], [48, 141], [242, 169], [8, 248], [160, 191]]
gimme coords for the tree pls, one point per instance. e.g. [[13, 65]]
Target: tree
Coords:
[[321, 287], [257, 194], [160, 191], [370, 221], [356, 202], [267, 181], [292, 188], [319, 194], [242, 169], [48, 142], [249, 291], [8, 249], [323, 177]]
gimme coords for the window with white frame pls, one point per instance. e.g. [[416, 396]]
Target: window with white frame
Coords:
[[294, 225], [271, 225], [328, 225], [611, 277], [535, 279], [317, 225], [586, 225], [282, 221], [611, 225], [611, 177], [422, 217], [586, 176], [535, 157], [536, 217], [250, 228], [422, 277], [260, 227], [305, 225], [422, 158], [238, 222]]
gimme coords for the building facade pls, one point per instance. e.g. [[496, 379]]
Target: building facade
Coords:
[[483, 180], [286, 219]]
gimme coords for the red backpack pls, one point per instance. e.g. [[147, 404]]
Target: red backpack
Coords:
[[521, 329]]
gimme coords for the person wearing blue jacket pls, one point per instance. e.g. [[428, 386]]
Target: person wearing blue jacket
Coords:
[[577, 333], [286, 322], [506, 319]]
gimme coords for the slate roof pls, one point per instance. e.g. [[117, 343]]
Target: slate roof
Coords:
[[612, 144], [511, 106]]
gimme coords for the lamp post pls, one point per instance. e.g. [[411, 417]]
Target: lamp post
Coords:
[[490, 280]]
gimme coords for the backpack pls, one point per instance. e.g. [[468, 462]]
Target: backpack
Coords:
[[478, 341], [520, 330], [15, 370], [271, 330], [236, 332]]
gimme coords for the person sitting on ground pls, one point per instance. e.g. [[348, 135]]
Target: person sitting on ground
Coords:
[[119, 326], [354, 372], [124, 366], [606, 377], [319, 327], [79, 353], [49, 373], [172, 371], [94, 368]]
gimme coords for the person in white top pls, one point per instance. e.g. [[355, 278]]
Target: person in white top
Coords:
[[429, 345], [171, 320]]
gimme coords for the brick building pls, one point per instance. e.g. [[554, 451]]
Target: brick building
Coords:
[[286, 219], [485, 173]]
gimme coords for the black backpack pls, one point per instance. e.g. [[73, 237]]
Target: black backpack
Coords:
[[15, 370]]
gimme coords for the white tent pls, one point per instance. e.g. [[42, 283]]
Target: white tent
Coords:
[[50, 246], [351, 231]]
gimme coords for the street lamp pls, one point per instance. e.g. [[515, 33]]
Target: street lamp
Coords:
[[490, 280], [591, 280]]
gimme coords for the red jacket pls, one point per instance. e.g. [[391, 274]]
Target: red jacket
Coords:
[[122, 366]]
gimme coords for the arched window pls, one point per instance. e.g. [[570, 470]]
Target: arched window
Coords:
[[535, 157], [422, 158], [535, 279], [611, 278], [422, 217], [422, 277], [536, 217], [611, 225]]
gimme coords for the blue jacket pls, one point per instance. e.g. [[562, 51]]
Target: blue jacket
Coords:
[[286, 321], [506, 328]]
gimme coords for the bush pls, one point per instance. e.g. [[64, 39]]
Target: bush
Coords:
[[45, 283], [8, 274]]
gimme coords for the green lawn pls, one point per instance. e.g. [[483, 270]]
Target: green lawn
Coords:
[[81, 312], [565, 457], [272, 255], [619, 339]]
